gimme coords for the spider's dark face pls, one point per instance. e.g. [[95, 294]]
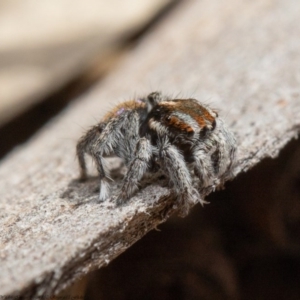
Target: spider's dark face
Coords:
[[178, 135]]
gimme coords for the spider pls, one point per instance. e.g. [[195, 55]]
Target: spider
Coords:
[[179, 136]]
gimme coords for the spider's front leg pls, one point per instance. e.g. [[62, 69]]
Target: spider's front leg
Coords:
[[174, 165], [214, 159], [136, 169], [227, 153], [204, 168]]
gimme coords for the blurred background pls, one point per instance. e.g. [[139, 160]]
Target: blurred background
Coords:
[[244, 245], [51, 51]]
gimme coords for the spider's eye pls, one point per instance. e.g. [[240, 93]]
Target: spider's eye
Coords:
[[156, 112]]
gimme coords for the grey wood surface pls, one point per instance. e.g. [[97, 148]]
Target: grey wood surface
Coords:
[[242, 57]]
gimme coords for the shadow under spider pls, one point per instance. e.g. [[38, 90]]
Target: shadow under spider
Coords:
[[80, 192]]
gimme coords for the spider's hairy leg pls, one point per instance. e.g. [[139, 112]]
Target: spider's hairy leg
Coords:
[[153, 99], [227, 153], [203, 168], [105, 144], [136, 169], [214, 169], [174, 165], [125, 147], [83, 147]]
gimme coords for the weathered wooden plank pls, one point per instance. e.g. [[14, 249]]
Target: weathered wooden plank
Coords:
[[242, 57]]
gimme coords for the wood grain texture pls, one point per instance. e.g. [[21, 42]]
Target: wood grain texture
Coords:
[[240, 56]]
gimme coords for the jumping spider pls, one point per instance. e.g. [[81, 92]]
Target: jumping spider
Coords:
[[177, 135]]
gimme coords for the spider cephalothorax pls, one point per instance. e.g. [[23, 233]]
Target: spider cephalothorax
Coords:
[[180, 136]]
